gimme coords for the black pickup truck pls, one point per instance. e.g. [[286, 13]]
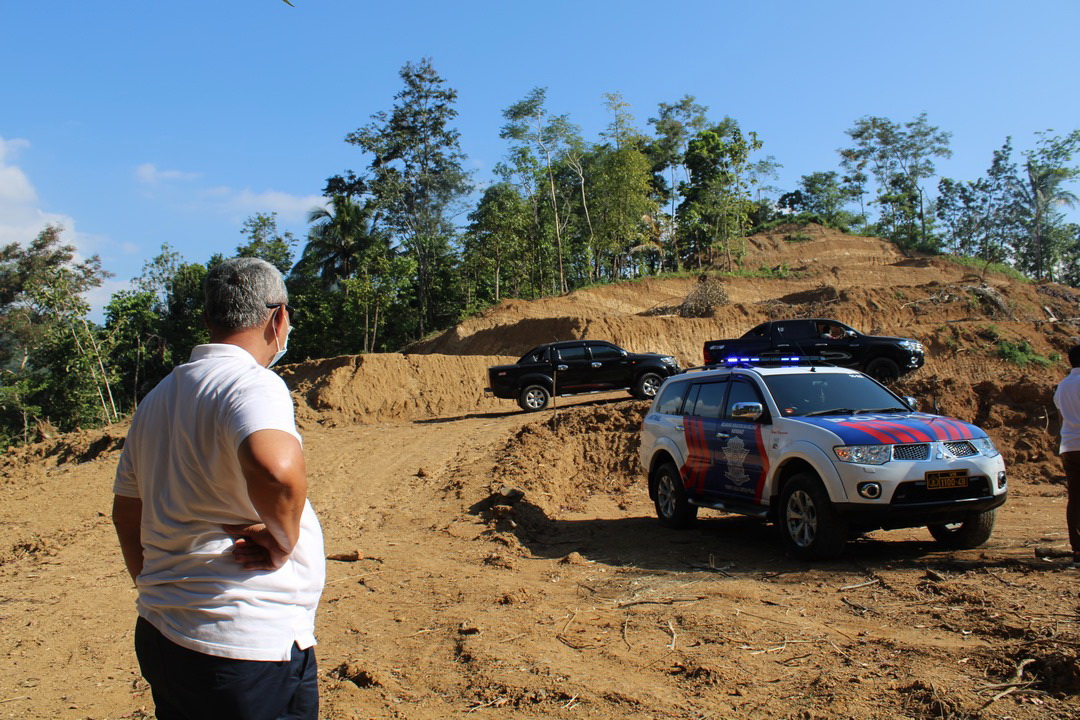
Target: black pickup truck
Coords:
[[882, 358], [578, 366]]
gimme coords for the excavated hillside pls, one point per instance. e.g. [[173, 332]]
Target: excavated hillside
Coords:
[[487, 563]]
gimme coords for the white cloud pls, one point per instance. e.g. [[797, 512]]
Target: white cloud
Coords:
[[21, 218], [290, 208], [149, 174]]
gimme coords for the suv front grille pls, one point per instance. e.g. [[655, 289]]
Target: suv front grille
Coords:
[[961, 449], [911, 452]]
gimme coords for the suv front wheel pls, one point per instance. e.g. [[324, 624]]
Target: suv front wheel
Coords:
[[811, 527], [972, 532]]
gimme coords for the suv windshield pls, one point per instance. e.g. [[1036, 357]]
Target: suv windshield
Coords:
[[830, 393]]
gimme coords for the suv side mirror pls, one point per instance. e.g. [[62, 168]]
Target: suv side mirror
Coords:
[[910, 402], [749, 411]]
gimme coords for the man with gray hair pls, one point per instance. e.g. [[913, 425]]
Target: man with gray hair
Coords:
[[210, 507]]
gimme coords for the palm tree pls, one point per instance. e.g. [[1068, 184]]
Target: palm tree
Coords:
[[1040, 193], [342, 234]]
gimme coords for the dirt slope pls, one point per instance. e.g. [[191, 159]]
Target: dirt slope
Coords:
[[496, 564]]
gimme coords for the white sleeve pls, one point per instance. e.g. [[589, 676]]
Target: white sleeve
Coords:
[[263, 404], [125, 483]]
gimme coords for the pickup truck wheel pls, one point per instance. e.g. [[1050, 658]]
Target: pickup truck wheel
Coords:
[[883, 369], [647, 386], [534, 398], [972, 532], [672, 505], [811, 527]]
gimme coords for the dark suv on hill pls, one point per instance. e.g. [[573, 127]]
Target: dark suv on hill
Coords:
[[578, 366], [881, 357]]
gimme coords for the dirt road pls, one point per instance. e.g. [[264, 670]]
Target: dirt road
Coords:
[[570, 602]]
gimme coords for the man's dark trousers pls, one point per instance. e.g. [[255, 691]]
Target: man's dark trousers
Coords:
[[1070, 461], [189, 685]]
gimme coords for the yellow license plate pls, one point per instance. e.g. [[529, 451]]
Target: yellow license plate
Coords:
[[946, 479]]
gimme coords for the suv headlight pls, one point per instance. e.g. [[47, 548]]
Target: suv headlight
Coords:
[[864, 454], [912, 345], [669, 360], [985, 446]]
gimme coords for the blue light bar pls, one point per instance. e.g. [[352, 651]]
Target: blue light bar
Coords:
[[773, 361]]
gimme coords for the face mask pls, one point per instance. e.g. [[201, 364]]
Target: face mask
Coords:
[[281, 351]]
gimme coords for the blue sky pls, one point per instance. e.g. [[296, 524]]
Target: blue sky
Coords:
[[137, 123]]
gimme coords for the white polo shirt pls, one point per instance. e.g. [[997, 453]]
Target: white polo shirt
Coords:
[[180, 458], [1067, 399]]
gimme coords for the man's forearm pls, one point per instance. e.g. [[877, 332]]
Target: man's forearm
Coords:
[[273, 466], [127, 519]]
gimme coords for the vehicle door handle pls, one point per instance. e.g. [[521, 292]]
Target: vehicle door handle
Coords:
[[561, 367], [596, 364], [723, 435]]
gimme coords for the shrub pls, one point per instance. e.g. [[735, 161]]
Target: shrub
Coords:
[[1020, 353]]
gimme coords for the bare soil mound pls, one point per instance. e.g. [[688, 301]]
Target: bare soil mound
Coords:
[[387, 386]]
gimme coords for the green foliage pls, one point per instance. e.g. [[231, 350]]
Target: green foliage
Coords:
[[822, 197], [717, 204], [266, 243], [51, 359], [1020, 353], [417, 181], [899, 157], [797, 237]]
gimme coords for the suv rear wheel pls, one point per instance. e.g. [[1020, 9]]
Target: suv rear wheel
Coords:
[[534, 398], [811, 527], [972, 532], [672, 505]]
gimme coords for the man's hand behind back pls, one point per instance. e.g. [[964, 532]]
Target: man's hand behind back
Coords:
[[255, 547]]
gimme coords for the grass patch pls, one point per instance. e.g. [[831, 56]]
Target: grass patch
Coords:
[[797, 238], [980, 265], [1021, 354]]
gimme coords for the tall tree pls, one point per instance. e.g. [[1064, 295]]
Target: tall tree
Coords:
[[979, 218], [536, 134], [342, 236], [717, 198], [899, 157], [1041, 190], [50, 354], [418, 179], [497, 233], [674, 125], [266, 242]]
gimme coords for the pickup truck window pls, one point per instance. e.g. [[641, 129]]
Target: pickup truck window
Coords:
[[573, 353], [710, 398], [605, 352], [760, 331], [794, 330], [533, 356]]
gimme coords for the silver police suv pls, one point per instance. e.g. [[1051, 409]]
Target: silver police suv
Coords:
[[823, 452]]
